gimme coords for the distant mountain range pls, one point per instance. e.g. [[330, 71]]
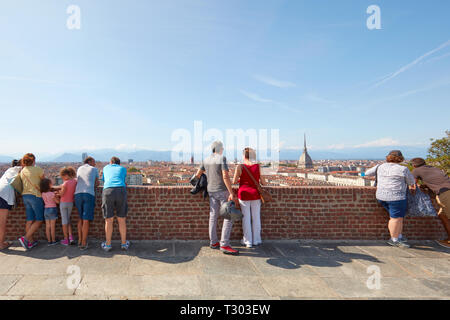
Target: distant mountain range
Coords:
[[105, 155], [5, 159], [374, 153]]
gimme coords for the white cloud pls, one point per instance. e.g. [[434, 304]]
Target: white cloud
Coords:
[[316, 98], [338, 146], [384, 142], [436, 85], [274, 82], [438, 58], [125, 147], [256, 97], [412, 64], [89, 148]]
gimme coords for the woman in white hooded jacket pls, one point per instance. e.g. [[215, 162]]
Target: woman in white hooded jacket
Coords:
[[7, 199]]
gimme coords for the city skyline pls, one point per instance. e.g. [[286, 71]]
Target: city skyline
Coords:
[[136, 72]]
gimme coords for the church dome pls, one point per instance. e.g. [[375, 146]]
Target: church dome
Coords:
[[305, 161]]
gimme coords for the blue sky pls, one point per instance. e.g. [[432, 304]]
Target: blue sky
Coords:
[[138, 70]]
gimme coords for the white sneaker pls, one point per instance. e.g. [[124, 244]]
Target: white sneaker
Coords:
[[248, 245]]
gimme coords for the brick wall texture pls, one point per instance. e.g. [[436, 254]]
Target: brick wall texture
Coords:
[[168, 213]]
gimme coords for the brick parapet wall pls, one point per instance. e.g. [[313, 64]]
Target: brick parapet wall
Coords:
[[325, 212]]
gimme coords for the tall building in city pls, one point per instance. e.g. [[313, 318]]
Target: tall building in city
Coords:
[[84, 156], [305, 161]]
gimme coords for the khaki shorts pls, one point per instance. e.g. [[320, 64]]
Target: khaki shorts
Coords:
[[443, 201]]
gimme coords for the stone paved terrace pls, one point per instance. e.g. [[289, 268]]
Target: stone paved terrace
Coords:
[[294, 269]]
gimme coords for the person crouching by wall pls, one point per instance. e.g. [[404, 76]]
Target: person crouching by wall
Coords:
[[392, 182], [7, 199], [439, 182], [114, 202], [249, 198]]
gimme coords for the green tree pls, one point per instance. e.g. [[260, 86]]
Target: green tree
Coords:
[[439, 153], [133, 169]]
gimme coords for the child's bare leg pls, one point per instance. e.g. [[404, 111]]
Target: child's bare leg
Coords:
[[65, 231], [53, 230], [48, 230]]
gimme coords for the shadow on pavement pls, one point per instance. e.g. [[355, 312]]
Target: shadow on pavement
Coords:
[[285, 255]]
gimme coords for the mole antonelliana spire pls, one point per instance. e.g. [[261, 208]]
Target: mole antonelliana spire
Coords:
[[305, 161]]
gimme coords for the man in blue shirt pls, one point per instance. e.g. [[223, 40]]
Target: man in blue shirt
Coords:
[[114, 202]]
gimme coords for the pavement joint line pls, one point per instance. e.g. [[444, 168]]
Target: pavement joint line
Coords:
[[362, 264], [332, 290], [367, 252], [402, 250], [279, 251], [81, 281], [129, 265], [312, 269], [409, 252], [401, 267], [425, 270], [265, 289], [14, 284], [260, 277], [255, 267]]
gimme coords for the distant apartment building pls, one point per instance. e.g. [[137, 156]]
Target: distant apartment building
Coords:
[[332, 179], [134, 179], [84, 156], [328, 169], [58, 181]]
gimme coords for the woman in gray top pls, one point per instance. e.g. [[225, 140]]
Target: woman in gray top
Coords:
[[393, 180]]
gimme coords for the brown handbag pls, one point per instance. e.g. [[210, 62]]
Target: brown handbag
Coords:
[[265, 195]]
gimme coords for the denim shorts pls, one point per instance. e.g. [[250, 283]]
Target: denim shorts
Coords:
[[34, 207], [51, 213], [396, 209], [85, 203]]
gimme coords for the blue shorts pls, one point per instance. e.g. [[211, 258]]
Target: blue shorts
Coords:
[[51, 213], [396, 209], [85, 203], [34, 207]]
